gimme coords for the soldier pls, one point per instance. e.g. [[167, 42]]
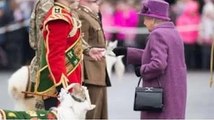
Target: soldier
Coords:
[[61, 51], [95, 76], [35, 37]]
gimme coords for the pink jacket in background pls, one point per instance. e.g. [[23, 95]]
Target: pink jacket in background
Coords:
[[107, 19], [127, 18], [188, 23]]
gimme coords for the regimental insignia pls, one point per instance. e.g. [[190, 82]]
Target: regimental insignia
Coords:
[[31, 113], [11, 114], [42, 114], [57, 10]]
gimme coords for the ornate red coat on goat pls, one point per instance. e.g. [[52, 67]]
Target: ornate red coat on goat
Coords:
[[62, 50]]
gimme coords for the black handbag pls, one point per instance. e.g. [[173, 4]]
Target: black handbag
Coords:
[[148, 98]]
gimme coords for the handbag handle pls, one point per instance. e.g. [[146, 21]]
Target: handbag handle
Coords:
[[159, 84]]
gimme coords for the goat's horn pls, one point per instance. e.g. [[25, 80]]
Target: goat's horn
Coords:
[[70, 86]]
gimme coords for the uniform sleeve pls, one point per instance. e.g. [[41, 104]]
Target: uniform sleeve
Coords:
[[85, 29], [85, 33], [36, 19], [158, 61], [134, 55], [32, 28], [58, 31]]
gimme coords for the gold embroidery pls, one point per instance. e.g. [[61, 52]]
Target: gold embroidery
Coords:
[[11, 114], [32, 113]]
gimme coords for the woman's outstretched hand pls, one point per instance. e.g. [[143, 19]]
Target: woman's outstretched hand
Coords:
[[120, 51]]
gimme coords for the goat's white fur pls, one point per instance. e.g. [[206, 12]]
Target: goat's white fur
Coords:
[[69, 109], [16, 84]]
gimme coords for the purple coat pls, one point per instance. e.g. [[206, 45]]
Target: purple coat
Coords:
[[163, 59]]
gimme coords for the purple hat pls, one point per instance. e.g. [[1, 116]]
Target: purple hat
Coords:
[[155, 8]]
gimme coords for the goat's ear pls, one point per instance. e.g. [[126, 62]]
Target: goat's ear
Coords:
[[91, 107]]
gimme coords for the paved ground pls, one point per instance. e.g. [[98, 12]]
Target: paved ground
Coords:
[[200, 101]]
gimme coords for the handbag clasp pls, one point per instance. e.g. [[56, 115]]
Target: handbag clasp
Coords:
[[148, 88]]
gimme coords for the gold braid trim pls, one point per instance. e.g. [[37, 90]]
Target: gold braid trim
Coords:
[[211, 62]]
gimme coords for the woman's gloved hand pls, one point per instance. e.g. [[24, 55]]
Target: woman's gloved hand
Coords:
[[137, 71], [120, 51], [58, 88]]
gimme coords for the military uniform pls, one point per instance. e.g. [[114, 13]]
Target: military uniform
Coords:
[[41, 7], [27, 115], [61, 51], [95, 74]]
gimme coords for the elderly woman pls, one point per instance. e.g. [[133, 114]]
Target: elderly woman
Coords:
[[162, 59]]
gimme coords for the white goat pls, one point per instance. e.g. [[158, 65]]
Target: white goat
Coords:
[[68, 109]]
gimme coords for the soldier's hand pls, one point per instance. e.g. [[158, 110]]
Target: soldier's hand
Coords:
[[97, 53]]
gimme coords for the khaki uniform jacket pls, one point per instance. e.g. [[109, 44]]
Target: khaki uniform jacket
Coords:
[[95, 72]]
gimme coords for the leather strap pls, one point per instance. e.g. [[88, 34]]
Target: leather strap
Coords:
[[141, 78]]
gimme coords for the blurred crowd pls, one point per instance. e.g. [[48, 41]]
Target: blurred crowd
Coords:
[[193, 18], [14, 21]]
